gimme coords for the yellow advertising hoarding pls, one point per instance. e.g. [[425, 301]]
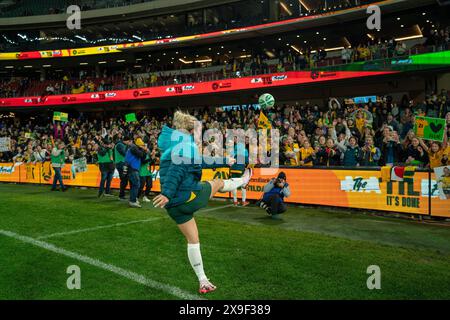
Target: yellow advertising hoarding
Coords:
[[362, 189]]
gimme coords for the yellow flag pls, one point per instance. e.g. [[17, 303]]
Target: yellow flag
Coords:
[[263, 122]]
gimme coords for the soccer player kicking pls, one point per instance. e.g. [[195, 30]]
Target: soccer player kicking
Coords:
[[182, 192]]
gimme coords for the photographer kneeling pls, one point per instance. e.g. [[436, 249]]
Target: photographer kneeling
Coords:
[[274, 193]]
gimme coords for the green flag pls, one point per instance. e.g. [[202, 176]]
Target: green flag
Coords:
[[131, 117], [60, 116], [430, 128]]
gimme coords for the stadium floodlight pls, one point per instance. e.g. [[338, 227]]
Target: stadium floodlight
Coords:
[[409, 38], [304, 4], [204, 60], [296, 49], [283, 5], [185, 62]]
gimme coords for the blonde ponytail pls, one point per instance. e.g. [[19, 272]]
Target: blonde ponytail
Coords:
[[183, 121]]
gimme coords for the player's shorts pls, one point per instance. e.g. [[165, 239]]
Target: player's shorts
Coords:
[[199, 199]]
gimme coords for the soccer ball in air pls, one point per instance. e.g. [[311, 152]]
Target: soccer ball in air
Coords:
[[266, 101]]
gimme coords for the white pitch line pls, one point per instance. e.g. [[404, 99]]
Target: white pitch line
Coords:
[[175, 291], [216, 208], [96, 228]]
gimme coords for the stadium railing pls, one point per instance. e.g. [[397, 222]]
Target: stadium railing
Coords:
[[36, 88]]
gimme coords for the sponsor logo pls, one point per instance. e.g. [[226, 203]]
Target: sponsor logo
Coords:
[[22, 55], [315, 75], [360, 184], [281, 77], [140, 93], [180, 89], [110, 94], [424, 188], [35, 100], [221, 85], [188, 87], [6, 169], [268, 80], [5, 103], [322, 74], [68, 99], [327, 74], [78, 52], [402, 61], [177, 89]]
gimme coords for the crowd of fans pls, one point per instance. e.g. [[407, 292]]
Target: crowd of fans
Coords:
[[340, 134]]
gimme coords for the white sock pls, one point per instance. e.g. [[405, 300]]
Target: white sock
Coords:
[[195, 258], [235, 195], [231, 184], [244, 195]]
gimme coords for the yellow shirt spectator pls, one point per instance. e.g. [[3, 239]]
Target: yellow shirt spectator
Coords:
[[360, 122], [295, 149], [436, 158], [305, 153]]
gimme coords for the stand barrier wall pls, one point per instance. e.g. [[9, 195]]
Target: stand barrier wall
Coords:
[[360, 188]]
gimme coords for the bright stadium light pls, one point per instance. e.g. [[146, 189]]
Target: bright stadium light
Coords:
[[409, 38], [204, 60], [283, 5], [296, 49], [185, 62]]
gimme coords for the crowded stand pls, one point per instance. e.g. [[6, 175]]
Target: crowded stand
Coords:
[[341, 133]]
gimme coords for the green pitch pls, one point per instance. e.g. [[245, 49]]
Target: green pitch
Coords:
[[126, 253]]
